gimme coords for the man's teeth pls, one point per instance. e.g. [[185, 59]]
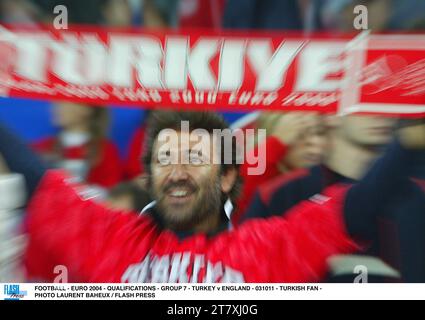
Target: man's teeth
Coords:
[[179, 193]]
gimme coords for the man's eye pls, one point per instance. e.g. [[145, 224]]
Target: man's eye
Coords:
[[196, 158], [164, 161]]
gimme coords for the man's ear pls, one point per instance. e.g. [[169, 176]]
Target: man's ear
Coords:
[[142, 180], [228, 179]]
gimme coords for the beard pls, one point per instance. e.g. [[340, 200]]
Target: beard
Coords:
[[206, 201]]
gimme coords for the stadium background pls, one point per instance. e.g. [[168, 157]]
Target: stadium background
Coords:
[[32, 120]]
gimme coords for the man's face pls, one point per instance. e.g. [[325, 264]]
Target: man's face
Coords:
[[370, 131], [309, 148], [188, 187]]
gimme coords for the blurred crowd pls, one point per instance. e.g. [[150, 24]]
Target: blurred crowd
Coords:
[[307, 15], [325, 148]]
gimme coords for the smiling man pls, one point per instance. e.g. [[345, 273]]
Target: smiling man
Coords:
[[192, 189], [181, 237], [188, 192]]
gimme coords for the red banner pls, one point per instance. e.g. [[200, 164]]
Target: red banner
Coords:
[[217, 71], [385, 74]]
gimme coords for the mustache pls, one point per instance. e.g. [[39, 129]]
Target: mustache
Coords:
[[187, 184]]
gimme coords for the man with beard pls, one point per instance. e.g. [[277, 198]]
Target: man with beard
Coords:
[[178, 239], [192, 191]]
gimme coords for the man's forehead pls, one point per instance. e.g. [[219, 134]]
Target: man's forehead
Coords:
[[178, 139]]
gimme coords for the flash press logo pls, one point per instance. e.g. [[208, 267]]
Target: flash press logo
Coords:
[[13, 292]]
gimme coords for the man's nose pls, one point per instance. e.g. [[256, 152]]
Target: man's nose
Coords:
[[178, 172], [315, 140]]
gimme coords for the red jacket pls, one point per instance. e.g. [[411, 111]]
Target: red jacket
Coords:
[[201, 13], [273, 150], [107, 172], [134, 165], [97, 244]]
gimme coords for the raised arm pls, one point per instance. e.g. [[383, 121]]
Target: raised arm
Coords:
[[295, 248], [366, 199]]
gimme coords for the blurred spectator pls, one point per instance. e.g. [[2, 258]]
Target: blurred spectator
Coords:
[[128, 196], [81, 145], [294, 140], [263, 14], [134, 165], [79, 11], [12, 241], [302, 133], [201, 13], [19, 11], [383, 15], [354, 142], [110, 12], [338, 14], [116, 13], [160, 13]]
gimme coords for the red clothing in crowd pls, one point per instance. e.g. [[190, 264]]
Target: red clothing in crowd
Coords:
[[201, 13], [97, 244], [107, 170], [134, 165], [273, 150]]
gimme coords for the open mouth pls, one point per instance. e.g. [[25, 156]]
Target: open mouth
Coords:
[[179, 195]]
